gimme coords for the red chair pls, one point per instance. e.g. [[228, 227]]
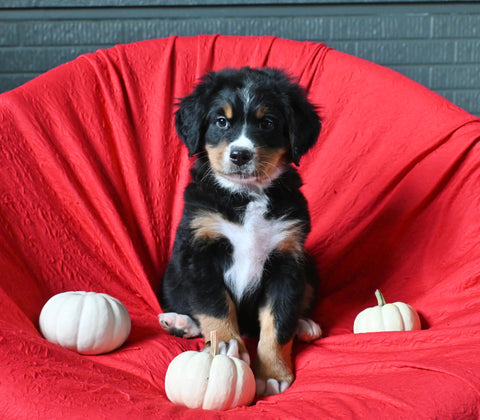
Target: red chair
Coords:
[[91, 183]]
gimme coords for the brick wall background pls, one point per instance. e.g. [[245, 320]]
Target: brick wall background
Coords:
[[436, 43]]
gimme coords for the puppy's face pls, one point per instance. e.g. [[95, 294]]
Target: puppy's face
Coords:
[[251, 123], [245, 137]]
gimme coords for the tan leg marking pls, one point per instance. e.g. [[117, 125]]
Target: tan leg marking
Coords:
[[206, 225], [293, 241], [273, 361], [227, 328]]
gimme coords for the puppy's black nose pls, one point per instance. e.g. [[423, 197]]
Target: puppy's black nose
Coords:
[[241, 157]]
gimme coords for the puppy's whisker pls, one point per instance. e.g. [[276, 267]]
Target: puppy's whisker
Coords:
[[263, 167], [264, 163], [208, 173], [265, 174], [205, 169]]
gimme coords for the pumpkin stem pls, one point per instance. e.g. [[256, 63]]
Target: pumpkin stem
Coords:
[[380, 298], [213, 343]]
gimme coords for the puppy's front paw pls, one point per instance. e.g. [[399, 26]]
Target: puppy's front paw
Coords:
[[232, 349], [270, 382], [273, 373], [273, 367], [266, 387]]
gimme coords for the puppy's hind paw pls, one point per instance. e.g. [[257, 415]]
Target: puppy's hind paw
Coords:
[[308, 330], [179, 325]]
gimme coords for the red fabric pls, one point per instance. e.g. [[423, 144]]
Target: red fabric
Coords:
[[91, 182]]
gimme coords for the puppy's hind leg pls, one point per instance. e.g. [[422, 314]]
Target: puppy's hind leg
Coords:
[[179, 325], [308, 330]]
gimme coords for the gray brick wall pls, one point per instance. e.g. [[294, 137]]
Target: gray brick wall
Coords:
[[436, 43]]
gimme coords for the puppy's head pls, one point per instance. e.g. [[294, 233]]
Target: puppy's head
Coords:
[[250, 122]]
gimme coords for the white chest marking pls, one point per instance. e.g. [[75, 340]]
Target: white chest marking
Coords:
[[252, 242]]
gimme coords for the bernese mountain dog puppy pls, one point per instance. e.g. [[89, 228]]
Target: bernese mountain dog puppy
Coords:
[[239, 265]]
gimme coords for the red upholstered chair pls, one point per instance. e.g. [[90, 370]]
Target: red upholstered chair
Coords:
[[91, 182]]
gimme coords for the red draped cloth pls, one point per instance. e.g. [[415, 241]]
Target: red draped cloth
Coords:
[[91, 182]]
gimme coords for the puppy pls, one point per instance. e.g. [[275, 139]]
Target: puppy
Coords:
[[238, 264]]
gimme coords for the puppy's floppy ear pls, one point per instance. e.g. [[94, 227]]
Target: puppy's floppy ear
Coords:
[[303, 124], [190, 117]]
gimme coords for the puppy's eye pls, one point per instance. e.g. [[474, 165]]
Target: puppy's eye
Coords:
[[222, 122], [266, 124]]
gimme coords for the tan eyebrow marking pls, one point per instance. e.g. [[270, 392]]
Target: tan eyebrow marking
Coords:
[[227, 108], [261, 112]]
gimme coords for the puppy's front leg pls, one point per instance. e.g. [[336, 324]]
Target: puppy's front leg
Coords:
[[273, 367], [278, 318], [226, 325]]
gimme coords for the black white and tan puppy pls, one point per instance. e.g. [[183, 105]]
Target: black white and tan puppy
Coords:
[[238, 264]]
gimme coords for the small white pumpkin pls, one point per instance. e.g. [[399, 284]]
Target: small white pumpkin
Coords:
[[209, 380], [87, 322], [396, 316]]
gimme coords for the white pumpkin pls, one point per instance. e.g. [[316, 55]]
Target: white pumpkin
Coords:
[[87, 322], [209, 380], [396, 316]]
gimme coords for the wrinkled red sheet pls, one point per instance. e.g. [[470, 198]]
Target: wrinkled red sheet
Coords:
[[91, 182]]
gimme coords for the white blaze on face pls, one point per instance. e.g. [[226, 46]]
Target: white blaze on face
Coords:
[[243, 142]]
